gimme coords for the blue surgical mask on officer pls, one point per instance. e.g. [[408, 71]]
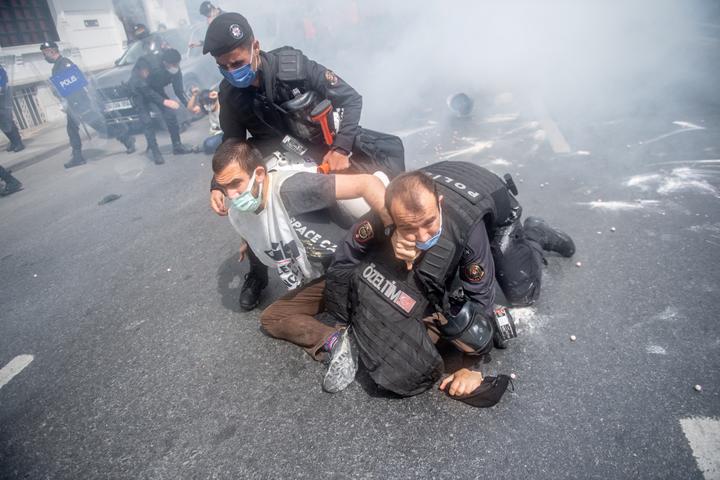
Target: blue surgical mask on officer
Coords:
[[246, 202], [240, 77], [430, 242]]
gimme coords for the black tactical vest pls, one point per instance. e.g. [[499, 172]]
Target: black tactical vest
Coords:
[[388, 302]]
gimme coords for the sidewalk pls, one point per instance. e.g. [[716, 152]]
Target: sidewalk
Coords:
[[40, 144], [51, 138]]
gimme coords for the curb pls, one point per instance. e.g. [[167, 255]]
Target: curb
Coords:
[[39, 157]]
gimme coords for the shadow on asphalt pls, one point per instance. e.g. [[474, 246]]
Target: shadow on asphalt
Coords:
[[230, 276]]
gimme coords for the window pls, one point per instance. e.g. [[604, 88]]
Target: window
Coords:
[[24, 22]]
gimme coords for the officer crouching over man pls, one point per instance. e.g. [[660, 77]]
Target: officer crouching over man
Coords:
[[148, 79], [453, 224], [268, 96]]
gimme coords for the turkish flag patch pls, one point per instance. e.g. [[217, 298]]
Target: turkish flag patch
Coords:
[[405, 301]]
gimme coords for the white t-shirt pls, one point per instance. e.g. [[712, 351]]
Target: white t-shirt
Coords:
[[271, 237]]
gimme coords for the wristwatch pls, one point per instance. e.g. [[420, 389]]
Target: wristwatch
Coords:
[[389, 230]]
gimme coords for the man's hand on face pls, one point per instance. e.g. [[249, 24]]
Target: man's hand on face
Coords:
[[243, 251], [171, 104], [462, 382], [336, 160], [404, 248], [217, 202]]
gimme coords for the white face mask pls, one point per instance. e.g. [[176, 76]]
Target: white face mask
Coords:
[[173, 70]]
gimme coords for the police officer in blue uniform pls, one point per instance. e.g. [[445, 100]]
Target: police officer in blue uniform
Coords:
[[79, 106], [268, 95]]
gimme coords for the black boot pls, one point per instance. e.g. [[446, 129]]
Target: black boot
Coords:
[[548, 238], [76, 160], [180, 149], [12, 184], [155, 155], [129, 143], [255, 281]]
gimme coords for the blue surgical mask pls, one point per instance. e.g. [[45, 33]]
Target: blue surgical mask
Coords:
[[246, 202], [430, 242], [240, 77]]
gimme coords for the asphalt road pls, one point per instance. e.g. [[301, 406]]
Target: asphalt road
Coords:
[[143, 366]]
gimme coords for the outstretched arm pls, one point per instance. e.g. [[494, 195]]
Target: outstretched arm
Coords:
[[369, 187]]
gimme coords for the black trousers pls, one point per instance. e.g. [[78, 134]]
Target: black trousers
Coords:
[[81, 109], [144, 108], [518, 264], [375, 150], [7, 124]]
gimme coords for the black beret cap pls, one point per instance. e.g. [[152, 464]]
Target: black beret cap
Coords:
[[171, 56], [227, 32], [140, 31], [205, 8], [49, 44]]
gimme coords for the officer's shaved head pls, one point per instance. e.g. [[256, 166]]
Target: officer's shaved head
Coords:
[[411, 190], [236, 151]]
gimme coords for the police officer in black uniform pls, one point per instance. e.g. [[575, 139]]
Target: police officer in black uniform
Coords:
[[455, 225], [80, 108], [7, 124], [268, 95], [149, 77]]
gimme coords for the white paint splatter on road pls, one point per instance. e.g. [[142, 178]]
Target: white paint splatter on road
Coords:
[[617, 205], [655, 350], [412, 131], [683, 179], [477, 147], [684, 127], [501, 117]]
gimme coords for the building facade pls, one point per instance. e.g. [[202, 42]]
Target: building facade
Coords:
[[93, 34]]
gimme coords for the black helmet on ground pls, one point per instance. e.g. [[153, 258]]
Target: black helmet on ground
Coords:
[[460, 104], [471, 327]]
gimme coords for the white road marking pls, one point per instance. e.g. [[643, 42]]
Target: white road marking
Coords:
[[15, 366], [554, 135], [703, 434]]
